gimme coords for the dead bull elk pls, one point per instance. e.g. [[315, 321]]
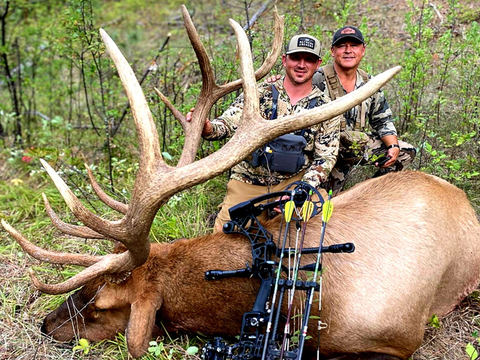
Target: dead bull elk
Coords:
[[417, 238]]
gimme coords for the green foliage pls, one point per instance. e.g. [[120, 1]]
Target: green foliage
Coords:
[[471, 350], [156, 348], [83, 345], [294, 339], [414, 78], [434, 322], [160, 352], [185, 214]]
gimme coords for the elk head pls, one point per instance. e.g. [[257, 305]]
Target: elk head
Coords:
[[156, 181]]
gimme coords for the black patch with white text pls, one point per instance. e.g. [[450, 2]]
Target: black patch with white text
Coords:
[[306, 42]]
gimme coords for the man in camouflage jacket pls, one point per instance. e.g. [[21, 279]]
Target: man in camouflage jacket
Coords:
[[356, 145], [296, 93]]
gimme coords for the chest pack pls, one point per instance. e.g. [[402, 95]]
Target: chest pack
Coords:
[[285, 153], [336, 90]]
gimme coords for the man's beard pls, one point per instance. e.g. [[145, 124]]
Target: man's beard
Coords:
[[297, 81]]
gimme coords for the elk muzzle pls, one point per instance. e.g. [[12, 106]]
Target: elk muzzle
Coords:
[[79, 317]]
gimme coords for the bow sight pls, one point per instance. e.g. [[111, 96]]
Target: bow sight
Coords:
[[261, 335]]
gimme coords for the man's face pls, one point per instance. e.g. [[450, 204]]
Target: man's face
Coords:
[[300, 67], [348, 54]]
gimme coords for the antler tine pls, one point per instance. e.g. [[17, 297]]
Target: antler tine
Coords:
[[251, 109], [150, 155], [264, 69], [211, 92], [206, 99], [208, 78], [49, 256], [176, 113], [331, 109], [91, 220], [95, 265], [114, 204], [271, 58], [74, 230], [107, 264]]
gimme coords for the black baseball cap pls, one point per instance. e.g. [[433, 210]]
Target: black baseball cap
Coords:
[[348, 32]]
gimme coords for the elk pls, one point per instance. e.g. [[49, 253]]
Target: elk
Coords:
[[417, 238]]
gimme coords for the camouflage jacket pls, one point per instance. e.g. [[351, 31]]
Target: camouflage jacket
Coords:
[[378, 112], [322, 140]]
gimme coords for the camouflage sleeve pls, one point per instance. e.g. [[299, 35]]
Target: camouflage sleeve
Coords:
[[226, 125], [325, 152], [380, 115]]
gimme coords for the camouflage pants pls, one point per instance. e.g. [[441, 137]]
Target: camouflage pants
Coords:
[[365, 155]]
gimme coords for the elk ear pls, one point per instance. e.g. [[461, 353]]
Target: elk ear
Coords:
[[141, 324]]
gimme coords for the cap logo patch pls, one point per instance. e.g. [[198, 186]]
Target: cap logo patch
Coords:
[[347, 31], [306, 43]]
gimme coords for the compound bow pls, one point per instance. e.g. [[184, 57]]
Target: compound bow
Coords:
[[260, 337]]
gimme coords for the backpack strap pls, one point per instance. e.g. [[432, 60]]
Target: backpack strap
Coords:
[[333, 84], [311, 105], [364, 75], [274, 114], [274, 102], [335, 89]]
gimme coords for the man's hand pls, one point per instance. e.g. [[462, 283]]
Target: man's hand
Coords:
[[273, 78], [284, 197], [314, 198], [393, 150], [392, 154], [207, 126]]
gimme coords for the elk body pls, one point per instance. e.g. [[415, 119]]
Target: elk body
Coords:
[[417, 254], [416, 236]]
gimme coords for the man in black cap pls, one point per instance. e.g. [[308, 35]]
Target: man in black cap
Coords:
[[292, 93], [357, 146]]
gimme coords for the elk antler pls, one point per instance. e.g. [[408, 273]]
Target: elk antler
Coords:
[[156, 182], [211, 92]]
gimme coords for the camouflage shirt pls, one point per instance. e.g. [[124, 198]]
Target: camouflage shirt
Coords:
[[322, 139], [378, 112]]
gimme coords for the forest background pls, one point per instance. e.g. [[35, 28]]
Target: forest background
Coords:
[[61, 100]]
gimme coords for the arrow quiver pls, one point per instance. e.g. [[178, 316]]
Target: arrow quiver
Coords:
[[262, 335]]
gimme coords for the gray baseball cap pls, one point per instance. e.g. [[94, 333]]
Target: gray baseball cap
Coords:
[[303, 43]]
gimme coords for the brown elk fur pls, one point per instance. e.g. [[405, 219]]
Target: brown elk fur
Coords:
[[417, 254]]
